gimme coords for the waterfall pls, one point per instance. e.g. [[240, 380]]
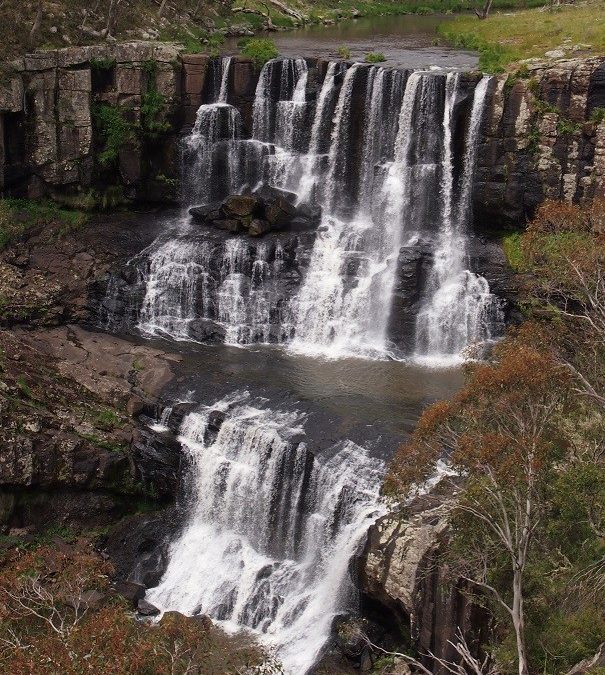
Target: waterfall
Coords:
[[388, 156], [223, 89], [459, 311], [271, 528]]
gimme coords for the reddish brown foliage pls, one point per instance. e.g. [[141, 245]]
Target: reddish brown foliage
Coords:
[[105, 638]]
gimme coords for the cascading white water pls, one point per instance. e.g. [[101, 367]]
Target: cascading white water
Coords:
[[185, 283], [460, 311], [177, 271], [223, 89], [373, 150], [271, 529]]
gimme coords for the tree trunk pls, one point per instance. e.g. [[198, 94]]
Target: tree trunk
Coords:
[[162, 6], [33, 34], [484, 13], [519, 622]]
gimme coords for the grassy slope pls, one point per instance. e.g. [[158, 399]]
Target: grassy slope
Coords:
[[506, 38]]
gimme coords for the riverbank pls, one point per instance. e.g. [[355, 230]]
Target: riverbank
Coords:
[[201, 27], [504, 39]]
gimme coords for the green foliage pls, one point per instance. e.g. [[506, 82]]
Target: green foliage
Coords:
[[24, 388], [514, 252], [153, 114], [107, 420], [375, 57], [597, 115], [493, 56], [17, 216], [343, 52], [114, 129], [543, 107], [102, 64], [567, 127], [424, 10], [214, 43], [260, 50], [105, 443]]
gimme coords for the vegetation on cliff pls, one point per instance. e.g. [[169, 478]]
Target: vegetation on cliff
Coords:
[[59, 615], [526, 434]]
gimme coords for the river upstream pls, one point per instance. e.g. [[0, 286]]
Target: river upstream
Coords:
[[310, 352]]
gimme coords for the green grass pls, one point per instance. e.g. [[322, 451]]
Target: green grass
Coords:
[[375, 57], [343, 52], [17, 216], [260, 50], [505, 38], [514, 251], [107, 420]]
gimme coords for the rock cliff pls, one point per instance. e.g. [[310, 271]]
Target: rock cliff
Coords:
[[543, 134]]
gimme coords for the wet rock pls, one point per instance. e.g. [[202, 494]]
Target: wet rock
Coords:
[[145, 608], [131, 590], [138, 547], [259, 227], [241, 205], [279, 212], [268, 209]]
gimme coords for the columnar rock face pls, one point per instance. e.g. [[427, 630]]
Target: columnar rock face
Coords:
[[544, 137], [543, 134], [48, 143], [401, 569]]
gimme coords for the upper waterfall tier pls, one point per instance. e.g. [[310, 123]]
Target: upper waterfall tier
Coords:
[[389, 157]]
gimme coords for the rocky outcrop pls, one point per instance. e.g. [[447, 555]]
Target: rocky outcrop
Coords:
[[71, 447], [257, 214], [593, 664], [543, 137], [402, 571]]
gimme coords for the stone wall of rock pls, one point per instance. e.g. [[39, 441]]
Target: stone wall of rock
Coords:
[[543, 137], [49, 140], [402, 571]]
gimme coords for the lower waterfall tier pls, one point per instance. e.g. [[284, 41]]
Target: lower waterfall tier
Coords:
[[270, 529]]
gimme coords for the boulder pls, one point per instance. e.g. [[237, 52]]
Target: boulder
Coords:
[[241, 205], [206, 212], [258, 227], [145, 608], [279, 212]]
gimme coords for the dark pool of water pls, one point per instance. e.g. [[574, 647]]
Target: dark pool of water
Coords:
[[374, 403], [406, 41]]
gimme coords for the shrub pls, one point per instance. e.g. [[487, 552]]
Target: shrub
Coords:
[[375, 57], [260, 50], [343, 52], [597, 115], [567, 127], [115, 131], [424, 11]]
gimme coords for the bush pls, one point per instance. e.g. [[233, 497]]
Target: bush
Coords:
[[375, 57], [260, 50], [597, 115], [343, 52], [115, 131]]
